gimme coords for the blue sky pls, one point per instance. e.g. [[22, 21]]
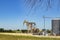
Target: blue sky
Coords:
[[14, 12]]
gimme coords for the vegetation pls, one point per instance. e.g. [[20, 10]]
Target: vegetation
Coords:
[[48, 31], [1, 30], [34, 30], [10, 37], [9, 31], [24, 31]]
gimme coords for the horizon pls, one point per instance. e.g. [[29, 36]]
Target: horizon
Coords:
[[14, 12]]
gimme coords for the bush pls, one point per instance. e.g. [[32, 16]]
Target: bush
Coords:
[[24, 31], [48, 31]]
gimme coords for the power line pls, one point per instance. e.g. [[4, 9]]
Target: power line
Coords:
[[44, 22]]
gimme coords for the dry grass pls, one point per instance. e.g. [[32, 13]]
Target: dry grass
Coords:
[[12, 37]]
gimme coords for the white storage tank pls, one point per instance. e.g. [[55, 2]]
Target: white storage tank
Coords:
[[56, 26]]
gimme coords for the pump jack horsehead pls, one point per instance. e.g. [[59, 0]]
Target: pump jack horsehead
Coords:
[[29, 25]]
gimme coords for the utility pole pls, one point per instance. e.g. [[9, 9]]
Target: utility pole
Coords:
[[44, 21], [44, 26]]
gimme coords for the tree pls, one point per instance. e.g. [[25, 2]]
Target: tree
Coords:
[[18, 30], [1, 29], [48, 31], [29, 25], [43, 29]]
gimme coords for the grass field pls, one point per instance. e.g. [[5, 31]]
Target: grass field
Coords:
[[10, 37]]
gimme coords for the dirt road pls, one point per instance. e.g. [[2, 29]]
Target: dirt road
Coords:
[[24, 34]]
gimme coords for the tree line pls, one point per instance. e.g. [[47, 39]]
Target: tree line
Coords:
[[19, 31]]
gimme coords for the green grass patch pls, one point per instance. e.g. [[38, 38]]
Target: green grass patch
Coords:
[[10, 37]]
